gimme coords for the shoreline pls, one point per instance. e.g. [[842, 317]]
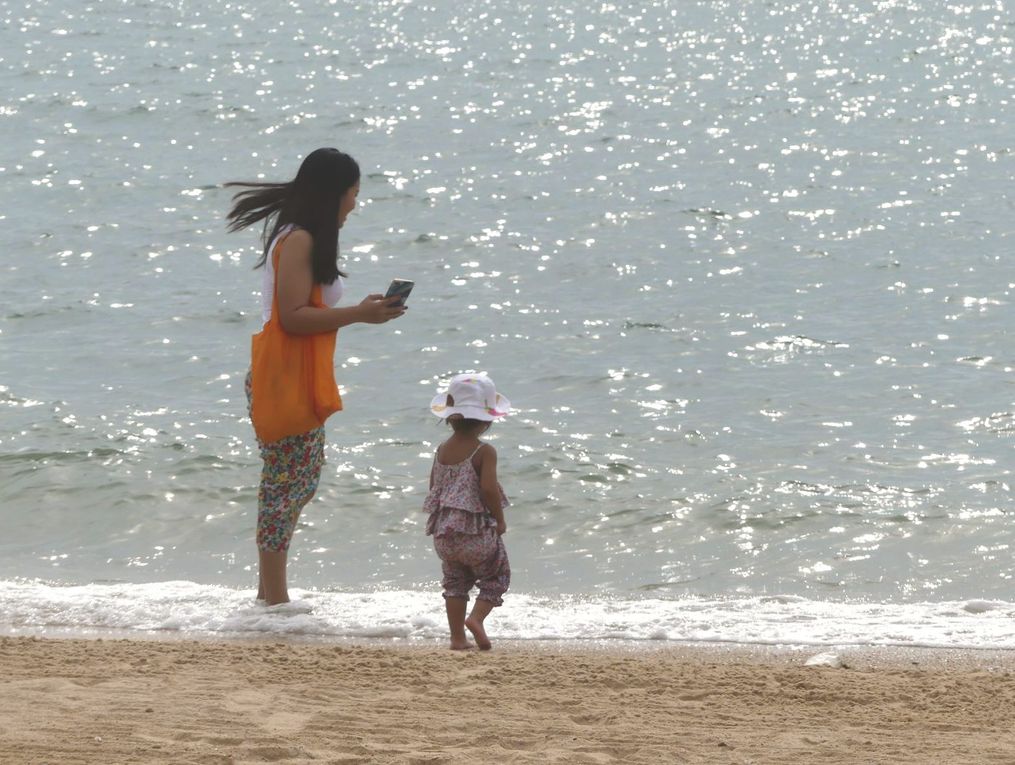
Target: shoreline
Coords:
[[883, 656], [194, 609], [877, 654], [106, 699]]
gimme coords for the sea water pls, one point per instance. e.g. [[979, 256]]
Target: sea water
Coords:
[[743, 268]]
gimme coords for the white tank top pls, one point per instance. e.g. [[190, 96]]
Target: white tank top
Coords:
[[330, 293]]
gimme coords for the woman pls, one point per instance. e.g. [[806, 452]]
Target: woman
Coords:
[[303, 282]]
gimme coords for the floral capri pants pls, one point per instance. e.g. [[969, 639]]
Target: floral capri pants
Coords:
[[469, 560], [290, 473]]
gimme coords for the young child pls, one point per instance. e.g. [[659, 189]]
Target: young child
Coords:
[[466, 506]]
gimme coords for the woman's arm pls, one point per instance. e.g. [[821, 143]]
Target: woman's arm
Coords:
[[294, 281], [489, 489]]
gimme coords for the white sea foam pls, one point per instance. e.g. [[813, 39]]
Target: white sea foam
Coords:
[[196, 610], [824, 660]]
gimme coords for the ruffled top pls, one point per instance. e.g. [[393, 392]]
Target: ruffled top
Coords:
[[455, 503]]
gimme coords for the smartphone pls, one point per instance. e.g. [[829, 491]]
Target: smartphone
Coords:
[[399, 288]]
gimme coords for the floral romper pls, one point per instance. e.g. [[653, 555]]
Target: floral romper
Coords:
[[465, 533]]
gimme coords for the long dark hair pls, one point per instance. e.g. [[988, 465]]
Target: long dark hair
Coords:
[[310, 201]]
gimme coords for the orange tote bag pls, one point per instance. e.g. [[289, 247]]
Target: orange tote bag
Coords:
[[293, 386]]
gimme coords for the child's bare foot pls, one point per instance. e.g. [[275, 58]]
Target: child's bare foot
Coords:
[[476, 628], [462, 645]]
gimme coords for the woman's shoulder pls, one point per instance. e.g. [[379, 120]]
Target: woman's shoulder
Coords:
[[297, 236], [296, 247]]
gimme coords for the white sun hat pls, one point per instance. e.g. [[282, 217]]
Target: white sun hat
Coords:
[[473, 396]]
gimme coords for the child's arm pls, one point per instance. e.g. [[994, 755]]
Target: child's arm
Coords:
[[489, 489]]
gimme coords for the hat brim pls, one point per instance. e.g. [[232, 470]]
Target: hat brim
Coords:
[[440, 409]]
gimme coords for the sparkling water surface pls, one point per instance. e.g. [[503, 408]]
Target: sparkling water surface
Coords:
[[744, 269]]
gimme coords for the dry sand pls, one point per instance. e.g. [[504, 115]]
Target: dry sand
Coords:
[[145, 701]]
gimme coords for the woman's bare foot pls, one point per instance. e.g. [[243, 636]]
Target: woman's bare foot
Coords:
[[464, 645], [476, 628]]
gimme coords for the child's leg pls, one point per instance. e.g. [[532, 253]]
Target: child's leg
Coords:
[[480, 611], [456, 622], [457, 581], [494, 577]]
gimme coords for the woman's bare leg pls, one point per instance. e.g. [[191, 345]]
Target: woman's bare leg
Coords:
[[271, 577]]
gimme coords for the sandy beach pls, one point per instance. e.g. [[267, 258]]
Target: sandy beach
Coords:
[[148, 701]]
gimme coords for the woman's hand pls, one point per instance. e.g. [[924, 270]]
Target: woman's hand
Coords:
[[501, 528], [377, 309]]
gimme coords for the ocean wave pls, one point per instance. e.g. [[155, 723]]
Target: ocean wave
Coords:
[[190, 609]]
